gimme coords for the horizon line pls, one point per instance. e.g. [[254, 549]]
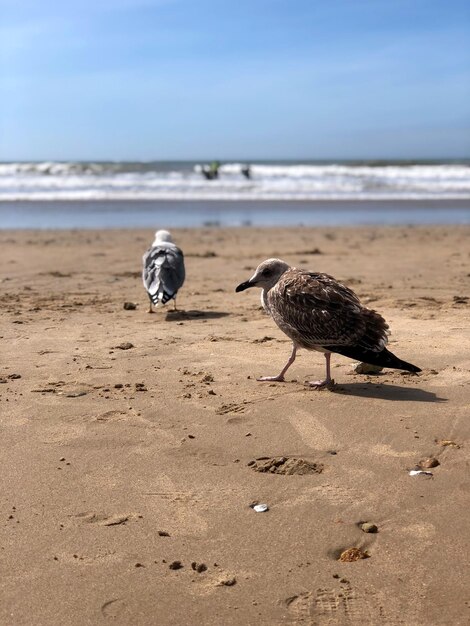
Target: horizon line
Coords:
[[377, 159]]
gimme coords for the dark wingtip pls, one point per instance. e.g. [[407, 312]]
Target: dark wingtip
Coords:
[[385, 358]]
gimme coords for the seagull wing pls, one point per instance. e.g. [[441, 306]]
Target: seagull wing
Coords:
[[315, 310], [163, 273]]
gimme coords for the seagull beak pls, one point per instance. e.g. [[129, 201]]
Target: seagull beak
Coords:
[[246, 285]]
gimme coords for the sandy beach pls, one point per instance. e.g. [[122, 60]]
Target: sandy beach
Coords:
[[133, 444]]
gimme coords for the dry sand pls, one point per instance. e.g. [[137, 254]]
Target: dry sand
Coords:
[[116, 463]]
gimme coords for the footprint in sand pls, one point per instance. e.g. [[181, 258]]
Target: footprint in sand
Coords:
[[344, 605], [61, 388], [103, 519], [336, 495], [112, 416], [133, 418], [285, 465], [230, 408]]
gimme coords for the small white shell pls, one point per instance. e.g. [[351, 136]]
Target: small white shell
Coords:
[[417, 472], [261, 508]]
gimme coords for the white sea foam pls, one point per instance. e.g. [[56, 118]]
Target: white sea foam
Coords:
[[49, 181]]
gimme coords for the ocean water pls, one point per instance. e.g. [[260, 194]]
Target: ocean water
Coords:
[[99, 195]]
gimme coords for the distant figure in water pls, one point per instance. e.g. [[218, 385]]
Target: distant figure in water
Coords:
[[163, 272], [246, 171], [211, 171]]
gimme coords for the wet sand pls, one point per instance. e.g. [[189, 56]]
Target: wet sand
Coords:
[[96, 214], [132, 444]]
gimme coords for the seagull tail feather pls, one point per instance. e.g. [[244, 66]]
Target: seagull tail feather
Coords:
[[160, 296], [384, 358]]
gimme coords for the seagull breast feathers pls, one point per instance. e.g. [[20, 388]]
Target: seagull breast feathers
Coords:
[[163, 271], [315, 310]]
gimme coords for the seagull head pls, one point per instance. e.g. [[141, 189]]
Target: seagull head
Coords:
[[266, 276], [162, 235]]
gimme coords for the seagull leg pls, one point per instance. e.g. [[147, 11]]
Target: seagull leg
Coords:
[[280, 377], [150, 308], [328, 382], [174, 304]]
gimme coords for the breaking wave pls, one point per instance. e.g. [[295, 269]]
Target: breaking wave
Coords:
[[64, 181]]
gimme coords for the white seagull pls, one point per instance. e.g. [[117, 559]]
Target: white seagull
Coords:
[[319, 313], [163, 273]]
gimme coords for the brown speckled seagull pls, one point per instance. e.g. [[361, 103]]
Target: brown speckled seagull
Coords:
[[319, 313]]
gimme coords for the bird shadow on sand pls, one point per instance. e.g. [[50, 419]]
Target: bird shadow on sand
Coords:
[[180, 315], [387, 392]]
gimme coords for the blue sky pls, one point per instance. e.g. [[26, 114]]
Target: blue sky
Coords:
[[192, 79]]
